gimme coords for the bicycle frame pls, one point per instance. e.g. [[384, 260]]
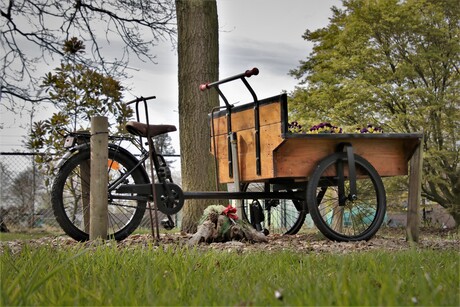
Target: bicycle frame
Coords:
[[167, 197]]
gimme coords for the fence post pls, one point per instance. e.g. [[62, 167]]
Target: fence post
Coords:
[[415, 182], [99, 178]]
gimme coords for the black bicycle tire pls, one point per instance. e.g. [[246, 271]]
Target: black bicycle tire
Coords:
[[58, 206], [292, 230], [313, 206]]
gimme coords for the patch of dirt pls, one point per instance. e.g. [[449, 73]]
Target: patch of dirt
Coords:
[[386, 239]]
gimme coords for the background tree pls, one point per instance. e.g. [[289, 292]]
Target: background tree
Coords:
[[6, 177], [163, 144], [25, 189], [395, 64], [32, 31], [78, 93], [198, 52]]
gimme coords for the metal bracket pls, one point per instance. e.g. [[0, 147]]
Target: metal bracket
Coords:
[[353, 195]]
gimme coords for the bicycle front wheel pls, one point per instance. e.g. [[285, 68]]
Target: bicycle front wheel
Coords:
[[71, 190], [283, 216], [343, 218]]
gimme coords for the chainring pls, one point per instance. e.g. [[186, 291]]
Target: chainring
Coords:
[[170, 198]]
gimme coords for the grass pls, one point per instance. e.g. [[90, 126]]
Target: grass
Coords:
[[107, 275]]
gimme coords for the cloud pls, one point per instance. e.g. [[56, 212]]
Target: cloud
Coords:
[[275, 57]]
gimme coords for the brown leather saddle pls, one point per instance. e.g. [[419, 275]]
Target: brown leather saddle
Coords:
[[144, 130]]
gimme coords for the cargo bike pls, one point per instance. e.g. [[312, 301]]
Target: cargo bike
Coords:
[[278, 177]]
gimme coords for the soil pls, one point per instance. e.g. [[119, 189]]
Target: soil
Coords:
[[388, 239]]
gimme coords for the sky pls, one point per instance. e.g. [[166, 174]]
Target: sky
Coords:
[[266, 34]]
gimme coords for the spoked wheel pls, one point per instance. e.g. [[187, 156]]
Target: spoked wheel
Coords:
[[337, 213], [71, 192], [284, 216]]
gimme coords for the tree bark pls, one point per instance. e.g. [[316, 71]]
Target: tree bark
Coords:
[[198, 52]]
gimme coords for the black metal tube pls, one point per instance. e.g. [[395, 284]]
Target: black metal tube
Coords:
[[144, 190], [245, 195], [256, 126], [138, 99]]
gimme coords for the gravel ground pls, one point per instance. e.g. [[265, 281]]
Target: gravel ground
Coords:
[[386, 239]]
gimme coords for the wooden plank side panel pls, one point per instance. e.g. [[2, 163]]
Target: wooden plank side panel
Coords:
[[221, 154], [243, 125], [243, 120], [270, 138], [297, 157]]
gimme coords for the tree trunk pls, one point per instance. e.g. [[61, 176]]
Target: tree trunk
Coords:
[[198, 51], [456, 217]]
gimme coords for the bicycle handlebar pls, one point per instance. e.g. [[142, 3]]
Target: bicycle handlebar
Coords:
[[247, 74], [138, 99]]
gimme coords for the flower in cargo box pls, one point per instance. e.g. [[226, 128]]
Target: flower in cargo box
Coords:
[[325, 128], [369, 129], [295, 127]]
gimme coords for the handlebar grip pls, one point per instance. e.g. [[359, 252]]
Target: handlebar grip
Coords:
[[247, 74], [251, 72], [204, 87]]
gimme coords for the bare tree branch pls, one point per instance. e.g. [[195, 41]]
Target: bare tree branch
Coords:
[[33, 31]]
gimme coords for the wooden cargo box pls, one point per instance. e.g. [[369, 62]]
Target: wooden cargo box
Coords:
[[288, 155]]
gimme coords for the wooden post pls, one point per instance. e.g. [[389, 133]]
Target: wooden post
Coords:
[[415, 182], [99, 178]]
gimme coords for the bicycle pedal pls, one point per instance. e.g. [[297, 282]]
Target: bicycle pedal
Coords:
[[167, 224]]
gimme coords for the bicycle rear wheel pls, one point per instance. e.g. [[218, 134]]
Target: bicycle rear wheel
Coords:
[[284, 216], [71, 190]]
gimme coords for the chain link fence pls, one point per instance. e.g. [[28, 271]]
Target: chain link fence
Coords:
[[25, 195]]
